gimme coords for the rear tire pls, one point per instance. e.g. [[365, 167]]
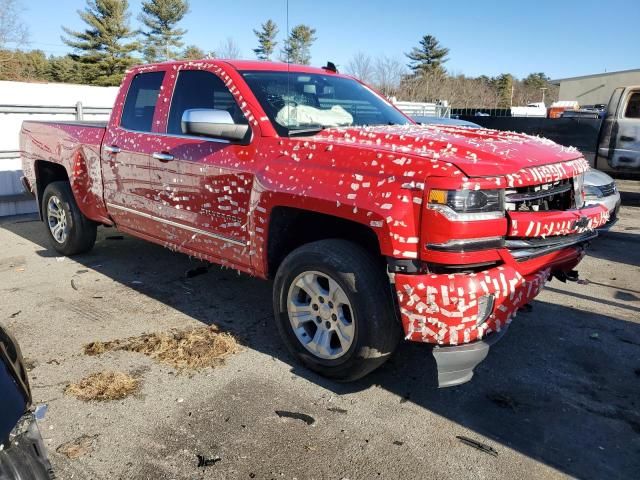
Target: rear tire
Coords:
[[70, 232], [344, 324]]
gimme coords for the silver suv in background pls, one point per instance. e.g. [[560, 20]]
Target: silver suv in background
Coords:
[[601, 188]]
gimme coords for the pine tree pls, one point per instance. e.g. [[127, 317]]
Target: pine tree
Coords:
[[297, 47], [266, 40], [536, 80], [428, 57], [102, 48], [163, 38], [64, 70], [504, 86], [193, 52]]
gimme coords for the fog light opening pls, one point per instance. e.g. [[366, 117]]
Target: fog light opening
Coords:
[[485, 307]]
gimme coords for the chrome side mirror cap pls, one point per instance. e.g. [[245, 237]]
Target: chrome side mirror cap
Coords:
[[212, 123]]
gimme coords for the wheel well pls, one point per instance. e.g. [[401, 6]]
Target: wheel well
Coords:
[[290, 228], [47, 172]]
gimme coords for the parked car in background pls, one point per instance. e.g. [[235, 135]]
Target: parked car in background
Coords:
[[536, 109], [22, 451], [610, 144], [444, 121], [619, 144], [581, 113], [600, 188]]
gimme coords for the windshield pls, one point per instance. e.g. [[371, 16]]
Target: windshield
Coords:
[[305, 103]]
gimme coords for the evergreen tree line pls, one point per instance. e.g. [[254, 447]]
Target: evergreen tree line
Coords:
[[425, 79], [108, 46]]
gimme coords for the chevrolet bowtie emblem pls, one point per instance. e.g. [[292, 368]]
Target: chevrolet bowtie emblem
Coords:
[[582, 222]]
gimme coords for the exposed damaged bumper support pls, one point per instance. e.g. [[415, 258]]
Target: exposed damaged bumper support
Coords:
[[456, 362]]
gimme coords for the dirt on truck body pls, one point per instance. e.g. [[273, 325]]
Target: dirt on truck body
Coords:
[[372, 227]]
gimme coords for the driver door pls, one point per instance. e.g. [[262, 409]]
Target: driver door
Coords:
[[202, 185]]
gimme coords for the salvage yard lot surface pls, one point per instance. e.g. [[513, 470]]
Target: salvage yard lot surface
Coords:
[[558, 396]]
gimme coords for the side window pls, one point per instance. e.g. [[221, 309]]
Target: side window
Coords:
[[140, 104], [200, 89], [633, 106]]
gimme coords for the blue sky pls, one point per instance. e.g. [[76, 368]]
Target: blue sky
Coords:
[[561, 37]]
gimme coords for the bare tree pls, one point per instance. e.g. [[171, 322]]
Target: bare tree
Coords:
[[12, 28], [228, 49], [361, 66], [388, 73], [13, 32]]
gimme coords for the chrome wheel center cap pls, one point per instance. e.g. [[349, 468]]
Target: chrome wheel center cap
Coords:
[[325, 312]]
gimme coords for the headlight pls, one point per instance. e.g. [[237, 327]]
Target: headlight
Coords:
[[578, 190], [468, 205], [592, 192]]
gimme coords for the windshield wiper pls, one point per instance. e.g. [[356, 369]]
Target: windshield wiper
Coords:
[[303, 131]]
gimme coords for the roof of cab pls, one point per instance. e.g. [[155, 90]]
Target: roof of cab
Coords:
[[255, 65], [273, 66]]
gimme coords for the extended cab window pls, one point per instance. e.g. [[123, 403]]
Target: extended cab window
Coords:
[[200, 89], [633, 106], [140, 104]]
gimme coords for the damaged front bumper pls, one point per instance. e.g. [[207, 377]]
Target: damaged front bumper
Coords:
[[460, 308], [463, 314], [456, 362]]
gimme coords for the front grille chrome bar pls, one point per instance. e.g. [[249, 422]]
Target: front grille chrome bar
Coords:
[[523, 249]]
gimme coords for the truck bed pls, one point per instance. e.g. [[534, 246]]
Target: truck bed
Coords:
[[75, 145], [77, 123]]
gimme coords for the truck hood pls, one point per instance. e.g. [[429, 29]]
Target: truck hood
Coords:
[[476, 152]]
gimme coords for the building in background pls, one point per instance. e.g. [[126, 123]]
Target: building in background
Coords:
[[597, 88]]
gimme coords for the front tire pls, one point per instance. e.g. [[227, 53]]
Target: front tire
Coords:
[[334, 311], [70, 232]]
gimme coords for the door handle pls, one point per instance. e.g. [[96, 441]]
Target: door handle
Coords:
[[624, 138], [162, 156], [111, 149]]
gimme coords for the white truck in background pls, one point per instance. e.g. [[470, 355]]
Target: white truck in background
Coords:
[[619, 141]]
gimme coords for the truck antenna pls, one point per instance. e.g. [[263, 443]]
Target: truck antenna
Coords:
[[287, 50]]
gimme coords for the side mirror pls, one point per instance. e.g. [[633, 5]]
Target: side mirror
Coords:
[[212, 123]]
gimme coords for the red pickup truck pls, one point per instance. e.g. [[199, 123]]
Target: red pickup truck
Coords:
[[372, 228]]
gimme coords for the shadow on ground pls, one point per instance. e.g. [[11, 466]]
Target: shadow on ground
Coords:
[[619, 247], [562, 387]]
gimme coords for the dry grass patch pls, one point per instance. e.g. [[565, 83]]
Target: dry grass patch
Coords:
[[183, 349], [78, 447], [104, 386]]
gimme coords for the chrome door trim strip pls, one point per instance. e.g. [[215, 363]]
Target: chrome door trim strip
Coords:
[[178, 225]]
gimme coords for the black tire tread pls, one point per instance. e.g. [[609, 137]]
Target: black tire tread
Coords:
[[82, 232], [382, 333]]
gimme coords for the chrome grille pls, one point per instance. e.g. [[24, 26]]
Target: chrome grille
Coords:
[[539, 198]]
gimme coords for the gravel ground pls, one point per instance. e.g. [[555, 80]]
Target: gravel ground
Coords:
[[558, 396]]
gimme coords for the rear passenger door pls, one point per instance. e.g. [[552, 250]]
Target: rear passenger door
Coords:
[[126, 152], [203, 184]]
